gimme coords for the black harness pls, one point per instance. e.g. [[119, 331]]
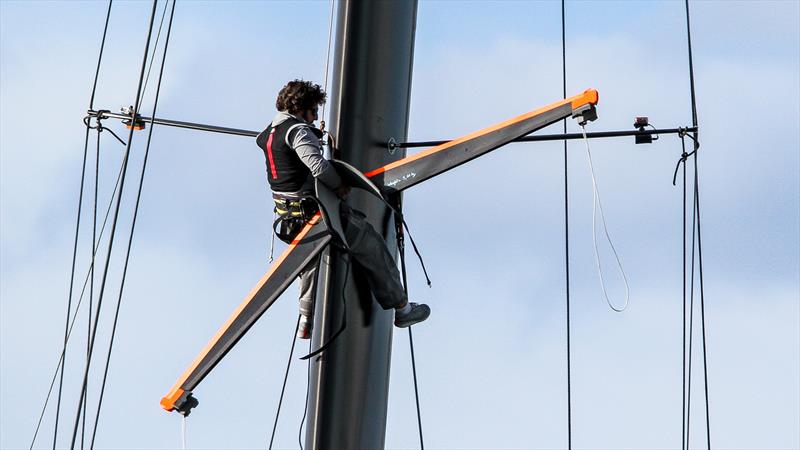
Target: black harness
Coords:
[[293, 212]]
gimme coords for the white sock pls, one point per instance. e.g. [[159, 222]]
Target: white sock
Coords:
[[405, 309]]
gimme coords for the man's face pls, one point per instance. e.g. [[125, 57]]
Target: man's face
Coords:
[[310, 115]]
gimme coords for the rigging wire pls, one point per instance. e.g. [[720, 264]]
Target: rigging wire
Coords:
[[75, 315], [327, 62], [597, 205], [702, 301], [305, 409], [696, 210], [699, 239], [133, 223], [566, 224], [691, 326], [285, 379], [113, 225], [91, 271], [401, 248], [77, 229], [684, 155], [71, 285], [155, 46]]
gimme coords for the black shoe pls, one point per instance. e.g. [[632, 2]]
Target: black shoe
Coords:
[[418, 313]]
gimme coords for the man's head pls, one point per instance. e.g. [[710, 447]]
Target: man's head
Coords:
[[301, 98]]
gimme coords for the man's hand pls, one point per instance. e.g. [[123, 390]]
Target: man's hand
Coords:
[[342, 191]]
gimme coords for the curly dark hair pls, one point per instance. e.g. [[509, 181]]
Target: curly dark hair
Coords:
[[299, 95]]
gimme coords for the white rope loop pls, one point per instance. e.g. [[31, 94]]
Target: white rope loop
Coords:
[[597, 205]]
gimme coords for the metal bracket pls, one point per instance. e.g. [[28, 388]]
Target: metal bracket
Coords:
[[585, 114], [135, 122]]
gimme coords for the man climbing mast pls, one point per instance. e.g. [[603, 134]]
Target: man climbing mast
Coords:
[[294, 158]]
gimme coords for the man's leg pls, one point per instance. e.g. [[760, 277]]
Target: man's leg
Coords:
[[368, 248], [308, 279]]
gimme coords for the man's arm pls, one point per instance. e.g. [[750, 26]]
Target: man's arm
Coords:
[[308, 148]]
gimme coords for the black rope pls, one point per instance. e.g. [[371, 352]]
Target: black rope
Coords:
[[155, 46], [285, 379], [91, 266], [691, 65], [696, 209], [71, 286], [100, 57], [99, 116], [133, 223], [75, 248], [691, 327], [77, 229], [113, 229], [683, 355], [566, 225], [401, 248], [702, 302], [75, 315]]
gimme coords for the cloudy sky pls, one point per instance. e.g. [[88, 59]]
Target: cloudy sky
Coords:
[[491, 360]]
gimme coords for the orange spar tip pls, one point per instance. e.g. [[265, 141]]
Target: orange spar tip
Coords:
[[589, 97], [168, 402]]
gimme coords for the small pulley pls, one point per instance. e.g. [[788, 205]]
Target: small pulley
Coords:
[[135, 122]]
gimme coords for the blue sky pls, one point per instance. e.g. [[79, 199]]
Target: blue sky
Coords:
[[491, 358]]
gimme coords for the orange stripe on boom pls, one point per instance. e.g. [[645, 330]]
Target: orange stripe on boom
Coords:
[[588, 97], [168, 402]]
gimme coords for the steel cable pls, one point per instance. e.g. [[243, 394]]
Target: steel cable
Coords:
[[285, 379], [74, 315], [77, 229], [155, 46], [696, 210], [566, 224], [401, 248], [305, 409], [133, 223], [113, 227], [683, 355]]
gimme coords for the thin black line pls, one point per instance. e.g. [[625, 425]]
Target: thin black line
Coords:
[[133, 224], [691, 328], [401, 249], [285, 379], [113, 228], [691, 66], [77, 227], [416, 388], [100, 57], [155, 47], [74, 317], [702, 301], [308, 388], [566, 225], [683, 354], [71, 286]]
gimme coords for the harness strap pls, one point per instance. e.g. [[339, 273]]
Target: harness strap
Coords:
[[272, 167]]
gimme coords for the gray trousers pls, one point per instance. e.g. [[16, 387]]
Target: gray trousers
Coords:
[[368, 249]]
